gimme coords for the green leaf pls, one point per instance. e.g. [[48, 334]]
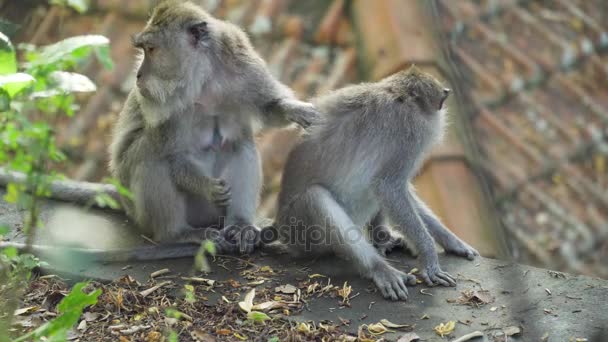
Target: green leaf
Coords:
[[14, 83], [273, 339], [8, 59], [66, 82], [10, 252], [70, 309], [76, 47], [5, 100], [4, 230], [81, 6], [257, 317], [103, 54]]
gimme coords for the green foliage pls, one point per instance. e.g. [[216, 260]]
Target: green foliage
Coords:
[[32, 93], [200, 259], [70, 308], [80, 6]]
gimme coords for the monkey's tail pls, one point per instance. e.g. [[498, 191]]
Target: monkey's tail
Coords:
[[144, 253], [83, 193]]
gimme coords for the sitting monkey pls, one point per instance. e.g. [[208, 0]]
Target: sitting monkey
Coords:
[[183, 144], [356, 167]]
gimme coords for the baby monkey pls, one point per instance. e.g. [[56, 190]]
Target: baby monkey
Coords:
[[356, 167]]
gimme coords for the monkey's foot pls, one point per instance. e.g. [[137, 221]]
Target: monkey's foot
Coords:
[[433, 275], [303, 113], [392, 282], [220, 192], [384, 247], [460, 248], [241, 238]]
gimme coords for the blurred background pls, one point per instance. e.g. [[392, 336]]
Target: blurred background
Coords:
[[522, 172]]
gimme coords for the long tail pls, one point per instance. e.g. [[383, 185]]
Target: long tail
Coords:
[[144, 253], [83, 193]]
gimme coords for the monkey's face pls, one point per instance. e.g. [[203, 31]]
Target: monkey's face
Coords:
[[170, 53], [420, 89]]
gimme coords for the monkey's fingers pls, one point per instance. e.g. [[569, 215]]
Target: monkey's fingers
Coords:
[[438, 277]]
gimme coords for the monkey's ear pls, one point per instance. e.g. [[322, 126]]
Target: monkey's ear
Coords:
[[199, 31]]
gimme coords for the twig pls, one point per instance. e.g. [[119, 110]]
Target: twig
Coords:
[[145, 293], [469, 336], [159, 273], [149, 240]]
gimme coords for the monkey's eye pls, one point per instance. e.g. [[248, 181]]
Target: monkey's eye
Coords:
[[149, 50]]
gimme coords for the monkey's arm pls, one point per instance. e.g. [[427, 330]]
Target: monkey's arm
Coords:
[[65, 190], [399, 206], [189, 175], [278, 104], [448, 240]]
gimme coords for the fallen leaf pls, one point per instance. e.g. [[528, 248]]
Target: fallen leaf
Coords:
[[286, 289], [256, 283], [345, 292], [476, 297], [304, 328], [267, 306], [247, 304], [444, 329], [316, 275], [258, 317], [155, 336], [512, 330], [409, 337], [240, 337], [202, 336], [82, 326], [91, 316], [377, 329], [29, 309], [266, 269], [412, 271], [224, 332], [425, 316], [493, 308], [392, 325]]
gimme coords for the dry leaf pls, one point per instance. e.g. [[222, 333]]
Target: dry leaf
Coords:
[[267, 306], [240, 337], [29, 309], [425, 316], [377, 329], [202, 336], [512, 330], [266, 269], [445, 329], [316, 275], [392, 325], [247, 304], [82, 326], [304, 328], [345, 292], [286, 289], [475, 297], [409, 337], [224, 332], [155, 336]]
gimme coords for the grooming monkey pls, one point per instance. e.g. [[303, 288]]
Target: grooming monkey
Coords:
[[183, 143], [356, 167]]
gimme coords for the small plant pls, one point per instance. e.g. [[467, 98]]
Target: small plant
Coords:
[[33, 93]]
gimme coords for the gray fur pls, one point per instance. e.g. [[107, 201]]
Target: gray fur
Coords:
[[359, 162], [183, 143]]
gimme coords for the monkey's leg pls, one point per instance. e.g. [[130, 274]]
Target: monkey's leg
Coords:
[[160, 208], [381, 235], [321, 211], [243, 173], [395, 199], [450, 242]]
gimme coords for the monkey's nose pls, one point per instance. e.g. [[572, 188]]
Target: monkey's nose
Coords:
[[138, 75]]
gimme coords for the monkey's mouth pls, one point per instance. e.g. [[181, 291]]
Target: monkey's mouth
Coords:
[[446, 94]]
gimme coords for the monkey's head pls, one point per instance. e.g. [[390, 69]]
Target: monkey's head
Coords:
[[418, 88], [173, 52]]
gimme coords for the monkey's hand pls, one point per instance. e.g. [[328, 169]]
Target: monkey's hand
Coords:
[[242, 238], [392, 282], [219, 192], [384, 246], [302, 113], [432, 275]]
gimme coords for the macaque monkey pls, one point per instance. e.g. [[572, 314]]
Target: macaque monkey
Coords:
[[356, 167], [183, 144]]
